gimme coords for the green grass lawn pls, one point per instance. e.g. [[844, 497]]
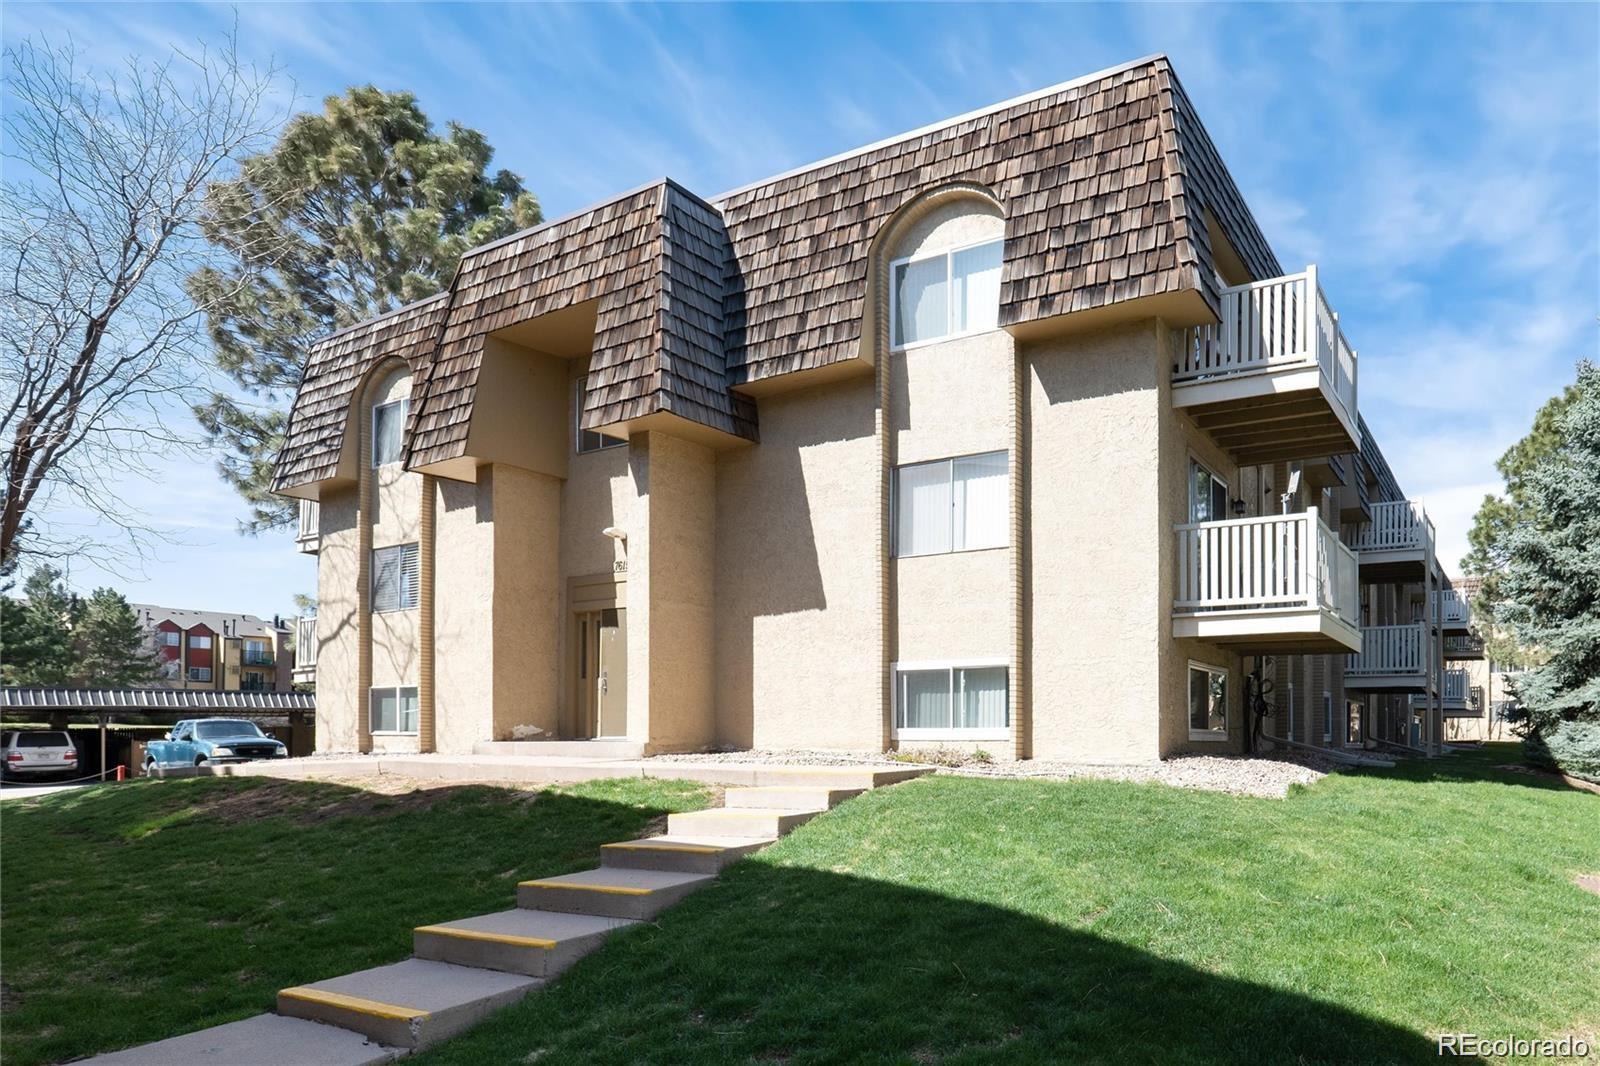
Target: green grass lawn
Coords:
[[959, 921], [140, 911], [947, 920]]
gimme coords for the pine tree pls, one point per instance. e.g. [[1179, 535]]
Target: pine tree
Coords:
[[1550, 585], [112, 647], [355, 211], [37, 632], [1498, 517]]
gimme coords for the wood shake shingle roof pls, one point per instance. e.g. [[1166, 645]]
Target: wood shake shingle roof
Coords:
[[1105, 182]]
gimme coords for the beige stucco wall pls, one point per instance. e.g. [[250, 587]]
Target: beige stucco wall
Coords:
[[799, 650], [1095, 408], [526, 602], [338, 624]]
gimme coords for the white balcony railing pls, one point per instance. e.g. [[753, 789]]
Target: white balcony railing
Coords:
[[1455, 687], [306, 536], [1273, 562], [1271, 325], [1389, 650], [1397, 525], [1452, 608], [305, 643]]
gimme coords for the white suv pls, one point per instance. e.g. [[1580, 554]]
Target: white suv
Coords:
[[36, 752]]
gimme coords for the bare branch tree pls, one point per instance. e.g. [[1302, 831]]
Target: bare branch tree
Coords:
[[100, 345]]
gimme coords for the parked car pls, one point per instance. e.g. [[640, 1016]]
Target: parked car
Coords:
[[37, 752], [212, 740]]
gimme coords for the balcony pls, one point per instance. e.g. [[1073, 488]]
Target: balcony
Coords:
[[1461, 699], [1397, 545], [305, 649], [1282, 583], [1392, 659], [1452, 610], [308, 536], [258, 658], [1462, 646], [1275, 379]]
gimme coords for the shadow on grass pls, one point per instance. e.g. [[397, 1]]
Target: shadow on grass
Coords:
[[146, 910], [789, 965], [1499, 762]]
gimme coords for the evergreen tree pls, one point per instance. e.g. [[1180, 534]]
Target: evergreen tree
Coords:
[[1550, 584], [1498, 517], [37, 632], [355, 211], [112, 647]]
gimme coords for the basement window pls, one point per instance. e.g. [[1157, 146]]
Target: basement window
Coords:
[[952, 701], [1208, 702], [394, 710]]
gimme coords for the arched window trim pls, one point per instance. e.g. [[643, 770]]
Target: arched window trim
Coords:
[[948, 253]]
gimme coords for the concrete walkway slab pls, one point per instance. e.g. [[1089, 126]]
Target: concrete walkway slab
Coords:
[[407, 1004], [533, 942], [684, 854], [611, 891], [265, 1040]]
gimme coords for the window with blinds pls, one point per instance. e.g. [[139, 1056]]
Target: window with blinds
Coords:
[[394, 578], [952, 505], [932, 700], [394, 710]]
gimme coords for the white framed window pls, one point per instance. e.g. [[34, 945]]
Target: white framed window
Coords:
[[388, 431], [200, 641], [966, 700], [1208, 701], [393, 709], [1327, 716], [948, 293], [199, 673], [1208, 494], [587, 439], [394, 578], [170, 637], [952, 505]]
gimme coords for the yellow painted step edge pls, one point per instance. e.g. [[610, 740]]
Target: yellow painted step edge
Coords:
[[369, 1007], [692, 849], [493, 938], [615, 890]]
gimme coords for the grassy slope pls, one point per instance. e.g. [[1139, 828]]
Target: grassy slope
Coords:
[[140, 911], [959, 920]]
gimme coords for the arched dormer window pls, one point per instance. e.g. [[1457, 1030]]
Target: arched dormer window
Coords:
[[390, 401], [946, 282]]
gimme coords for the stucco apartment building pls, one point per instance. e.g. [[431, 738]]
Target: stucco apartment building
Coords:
[[1011, 432], [214, 651]]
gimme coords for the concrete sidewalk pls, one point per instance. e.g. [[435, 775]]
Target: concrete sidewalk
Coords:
[[554, 769]]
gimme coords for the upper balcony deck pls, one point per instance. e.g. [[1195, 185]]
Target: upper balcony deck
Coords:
[[1397, 544], [305, 649], [1282, 583], [308, 534], [1275, 379]]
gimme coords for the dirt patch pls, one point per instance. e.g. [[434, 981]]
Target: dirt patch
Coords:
[[1589, 882], [1552, 775]]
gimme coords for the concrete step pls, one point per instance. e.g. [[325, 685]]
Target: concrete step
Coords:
[[408, 1004], [789, 797], [610, 892], [743, 822], [572, 749], [690, 855], [862, 777], [265, 1040], [535, 943]]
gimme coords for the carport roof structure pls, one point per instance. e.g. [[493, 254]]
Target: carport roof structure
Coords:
[[15, 698]]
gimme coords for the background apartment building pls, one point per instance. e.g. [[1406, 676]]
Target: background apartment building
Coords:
[[1008, 433], [218, 652]]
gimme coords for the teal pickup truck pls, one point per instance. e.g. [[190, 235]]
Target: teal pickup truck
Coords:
[[202, 741]]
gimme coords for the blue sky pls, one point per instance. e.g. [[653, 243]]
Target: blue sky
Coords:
[[1439, 163]]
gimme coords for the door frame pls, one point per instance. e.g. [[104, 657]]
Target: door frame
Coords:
[[585, 594]]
